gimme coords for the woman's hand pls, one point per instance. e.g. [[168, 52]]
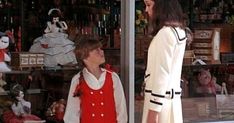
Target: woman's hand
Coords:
[[152, 117]]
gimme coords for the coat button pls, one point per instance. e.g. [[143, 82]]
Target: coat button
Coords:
[[93, 104], [101, 92], [102, 103], [93, 115], [102, 115], [91, 92]]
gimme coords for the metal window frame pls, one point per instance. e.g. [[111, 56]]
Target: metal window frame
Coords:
[[127, 52]]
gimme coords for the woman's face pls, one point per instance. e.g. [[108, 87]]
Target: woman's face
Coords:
[[96, 56], [149, 4]]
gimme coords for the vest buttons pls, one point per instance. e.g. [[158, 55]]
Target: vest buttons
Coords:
[[101, 92], [93, 104], [91, 92], [93, 115], [102, 115], [102, 103]]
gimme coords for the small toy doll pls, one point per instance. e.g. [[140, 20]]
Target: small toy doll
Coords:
[[20, 109], [55, 25], [207, 83], [57, 110]]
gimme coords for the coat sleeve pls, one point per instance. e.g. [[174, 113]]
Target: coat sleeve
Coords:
[[120, 101], [72, 113], [161, 60]]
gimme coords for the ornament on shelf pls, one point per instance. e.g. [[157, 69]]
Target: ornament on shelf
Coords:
[[57, 110], [224, 89], [140, 22], [20, 109], [2, 83]]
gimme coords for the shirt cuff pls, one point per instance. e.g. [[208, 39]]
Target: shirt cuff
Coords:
[[156, 103]]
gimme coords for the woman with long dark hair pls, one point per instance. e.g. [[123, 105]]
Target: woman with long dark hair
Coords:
[[164, 63]]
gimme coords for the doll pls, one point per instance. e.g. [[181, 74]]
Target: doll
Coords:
[[4, 43], [20, 109], [207, 83], [56, 46], [55, 25]]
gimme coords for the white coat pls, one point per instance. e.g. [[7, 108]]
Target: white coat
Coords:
[[164, 64]]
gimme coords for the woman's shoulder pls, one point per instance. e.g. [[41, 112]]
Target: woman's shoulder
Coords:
[[165, 29], [169, 29], [172, 31]]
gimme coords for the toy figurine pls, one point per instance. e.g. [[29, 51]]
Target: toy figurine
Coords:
[[4, 43], [20, 109], [57, 109], [56, 46], [207, 83]]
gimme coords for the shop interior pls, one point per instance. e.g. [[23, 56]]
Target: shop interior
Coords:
[[210, 57]]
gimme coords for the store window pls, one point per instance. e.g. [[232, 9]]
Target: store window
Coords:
[[208, 69]]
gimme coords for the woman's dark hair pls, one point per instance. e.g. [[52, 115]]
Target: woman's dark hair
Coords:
[[166, 13]]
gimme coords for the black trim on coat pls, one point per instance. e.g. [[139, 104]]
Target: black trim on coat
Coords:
[[157, 95], [147, 75], [180, 39], [158, 103], [148, 91]]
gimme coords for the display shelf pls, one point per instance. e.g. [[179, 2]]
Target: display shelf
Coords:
[[29, 91], [210, 11], [222, 73]]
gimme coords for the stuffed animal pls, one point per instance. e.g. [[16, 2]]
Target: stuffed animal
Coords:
[[57, 109], [4, 43], [207, 83], [2, 83]]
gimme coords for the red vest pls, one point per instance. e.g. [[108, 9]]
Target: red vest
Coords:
[[98, 106]]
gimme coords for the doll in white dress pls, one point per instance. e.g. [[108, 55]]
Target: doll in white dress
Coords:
[[20, 109], [56, 46]]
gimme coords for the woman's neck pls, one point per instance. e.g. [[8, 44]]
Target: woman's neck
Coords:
[[172, 23]]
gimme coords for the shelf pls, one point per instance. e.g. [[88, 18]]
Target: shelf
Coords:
[[29, 91], [223, 64]]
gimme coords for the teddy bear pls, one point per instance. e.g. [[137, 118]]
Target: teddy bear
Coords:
[[4, 57]]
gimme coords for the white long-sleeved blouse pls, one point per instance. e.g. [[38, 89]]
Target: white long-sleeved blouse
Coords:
[[72, 113]]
